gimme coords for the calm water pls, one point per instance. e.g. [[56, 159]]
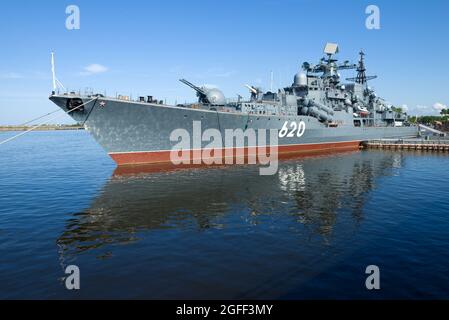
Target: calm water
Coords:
[[307, 232]]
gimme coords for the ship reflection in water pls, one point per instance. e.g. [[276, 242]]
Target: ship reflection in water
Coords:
[[227, 232]]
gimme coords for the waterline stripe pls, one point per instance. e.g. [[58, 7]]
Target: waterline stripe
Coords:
[[265, 146]]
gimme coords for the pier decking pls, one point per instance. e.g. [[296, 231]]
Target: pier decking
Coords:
[[440, 145]]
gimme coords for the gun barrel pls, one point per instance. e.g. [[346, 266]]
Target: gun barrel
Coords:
[[194, 87]]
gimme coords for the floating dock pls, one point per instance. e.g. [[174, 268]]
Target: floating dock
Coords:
[[440, 145]]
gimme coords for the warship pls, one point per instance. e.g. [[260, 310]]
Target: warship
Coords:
[[317, 113]]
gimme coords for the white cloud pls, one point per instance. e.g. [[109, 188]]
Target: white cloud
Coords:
[[33, 75], [94, 69], [404, 108], [439, 106], [11, 75], [420, 107], [422, 110], [419, 110]]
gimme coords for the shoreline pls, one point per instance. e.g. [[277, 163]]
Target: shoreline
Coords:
[[42, 128]]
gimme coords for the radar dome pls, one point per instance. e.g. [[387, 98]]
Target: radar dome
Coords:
[[215, 96], [300, 79]]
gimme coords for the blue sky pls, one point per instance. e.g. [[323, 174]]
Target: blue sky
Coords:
[[144, 47]]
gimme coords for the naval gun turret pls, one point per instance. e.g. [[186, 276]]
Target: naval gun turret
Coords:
[[212, 96]]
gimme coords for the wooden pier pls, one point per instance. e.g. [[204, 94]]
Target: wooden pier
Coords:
[[439, 145]]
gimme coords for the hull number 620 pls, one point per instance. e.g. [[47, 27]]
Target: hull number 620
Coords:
[[292, 128]]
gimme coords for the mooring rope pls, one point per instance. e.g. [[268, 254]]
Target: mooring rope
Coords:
[[40, 117], [42, 123]]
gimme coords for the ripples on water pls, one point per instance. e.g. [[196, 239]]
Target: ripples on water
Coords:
[[224, 232]]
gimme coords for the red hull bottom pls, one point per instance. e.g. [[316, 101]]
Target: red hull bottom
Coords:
[[286, 151]]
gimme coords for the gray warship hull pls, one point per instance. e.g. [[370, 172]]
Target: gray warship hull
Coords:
[[134, 132]]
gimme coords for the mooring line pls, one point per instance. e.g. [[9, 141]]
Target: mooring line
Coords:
[[88, 115], [45, 115], [43, 123]]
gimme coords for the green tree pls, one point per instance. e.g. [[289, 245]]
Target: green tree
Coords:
[[397, 109]]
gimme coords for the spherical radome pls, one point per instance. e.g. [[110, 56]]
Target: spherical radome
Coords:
[[215, 96]]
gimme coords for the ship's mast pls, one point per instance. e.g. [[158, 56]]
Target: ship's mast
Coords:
[[56, 82], [361, 78], [53, 73]]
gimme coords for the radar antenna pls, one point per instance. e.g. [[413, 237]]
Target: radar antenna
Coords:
[[329, 66], [361, 78]]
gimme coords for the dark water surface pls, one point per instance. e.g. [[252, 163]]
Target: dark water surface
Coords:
[[307, 232]]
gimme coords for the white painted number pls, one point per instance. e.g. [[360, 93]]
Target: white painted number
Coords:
[[299, 128], [294, 127], [284, 130]]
